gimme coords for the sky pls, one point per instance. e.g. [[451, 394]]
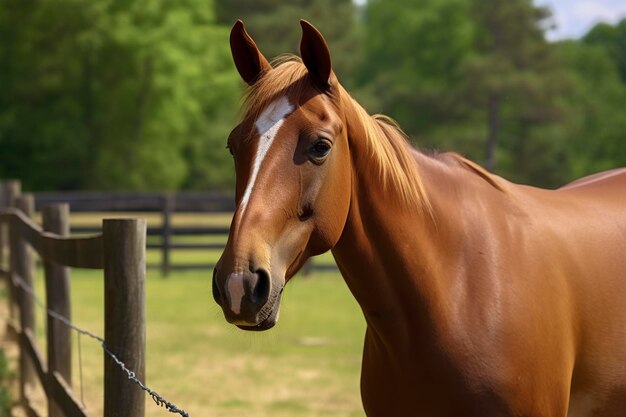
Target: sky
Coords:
[[574, 18]]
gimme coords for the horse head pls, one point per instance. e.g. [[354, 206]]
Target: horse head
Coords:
[[293, 176]]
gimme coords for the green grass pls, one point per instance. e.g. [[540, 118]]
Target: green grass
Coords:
[[6, 374], [308, 365], [5, 398]]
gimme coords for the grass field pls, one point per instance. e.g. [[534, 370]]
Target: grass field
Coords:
[[308, 365]]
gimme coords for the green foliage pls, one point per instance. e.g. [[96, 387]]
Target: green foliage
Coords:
[[595, 123], [4, 366], [614, 39], [478, 77], [5, 399], [118, 97], [5, 403], [466, 75], [141, 94], [274, 26], [412, 62], [512, 77]]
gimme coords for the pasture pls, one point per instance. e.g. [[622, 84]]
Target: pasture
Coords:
[[307, 366]]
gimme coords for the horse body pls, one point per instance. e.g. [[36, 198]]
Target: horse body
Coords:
[[502, 303], [482, 297]]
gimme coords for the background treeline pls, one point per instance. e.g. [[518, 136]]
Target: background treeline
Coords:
[[120, 94]]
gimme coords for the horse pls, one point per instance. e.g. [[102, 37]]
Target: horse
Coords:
[[482, 297]]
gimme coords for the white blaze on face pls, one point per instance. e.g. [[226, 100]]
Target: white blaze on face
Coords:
[[268, 124], [235, 292]]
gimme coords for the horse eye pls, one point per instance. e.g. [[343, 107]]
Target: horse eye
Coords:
[[320, 149]]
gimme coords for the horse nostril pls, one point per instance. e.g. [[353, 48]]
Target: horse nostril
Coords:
[[217, 296], [261, 290], [305, 213]]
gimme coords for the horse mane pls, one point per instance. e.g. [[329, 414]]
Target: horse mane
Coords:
[[473, 167], [386, 142], [391, 153]]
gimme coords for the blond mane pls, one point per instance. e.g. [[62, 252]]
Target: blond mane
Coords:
[[391, 153], [386, 142], [478, 170]]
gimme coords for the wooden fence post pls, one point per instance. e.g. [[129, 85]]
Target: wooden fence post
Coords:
[[124, 314], [24, 269], [11, 190], [56, 219], [3, 204], [166, 227]]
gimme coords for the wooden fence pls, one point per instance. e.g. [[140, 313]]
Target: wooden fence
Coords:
[[166, 204], [119, 250]]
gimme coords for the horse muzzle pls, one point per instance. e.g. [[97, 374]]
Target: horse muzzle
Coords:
[[248, 298]]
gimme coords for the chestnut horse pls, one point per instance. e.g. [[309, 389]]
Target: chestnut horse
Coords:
[[482, 297]]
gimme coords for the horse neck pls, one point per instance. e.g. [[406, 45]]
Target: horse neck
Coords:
[[389, 254]]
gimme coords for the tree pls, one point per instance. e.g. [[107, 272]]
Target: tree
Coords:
[[594, 123], [517, 78], [614, 39], [513, 62], [114, 95], [414, 51], [464, 74], [41, 126]]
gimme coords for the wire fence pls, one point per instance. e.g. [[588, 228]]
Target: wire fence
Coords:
[[158, 399]]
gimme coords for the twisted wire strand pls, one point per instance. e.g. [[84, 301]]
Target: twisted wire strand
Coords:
[[158, 399]]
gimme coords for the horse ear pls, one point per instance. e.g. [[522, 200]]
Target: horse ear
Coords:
[[315, 54], [249, 61]]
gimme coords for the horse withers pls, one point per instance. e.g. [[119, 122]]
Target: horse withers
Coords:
[[482, 297]]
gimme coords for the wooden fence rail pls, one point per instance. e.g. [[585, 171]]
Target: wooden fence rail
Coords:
[[166, 204], [120, 251]]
